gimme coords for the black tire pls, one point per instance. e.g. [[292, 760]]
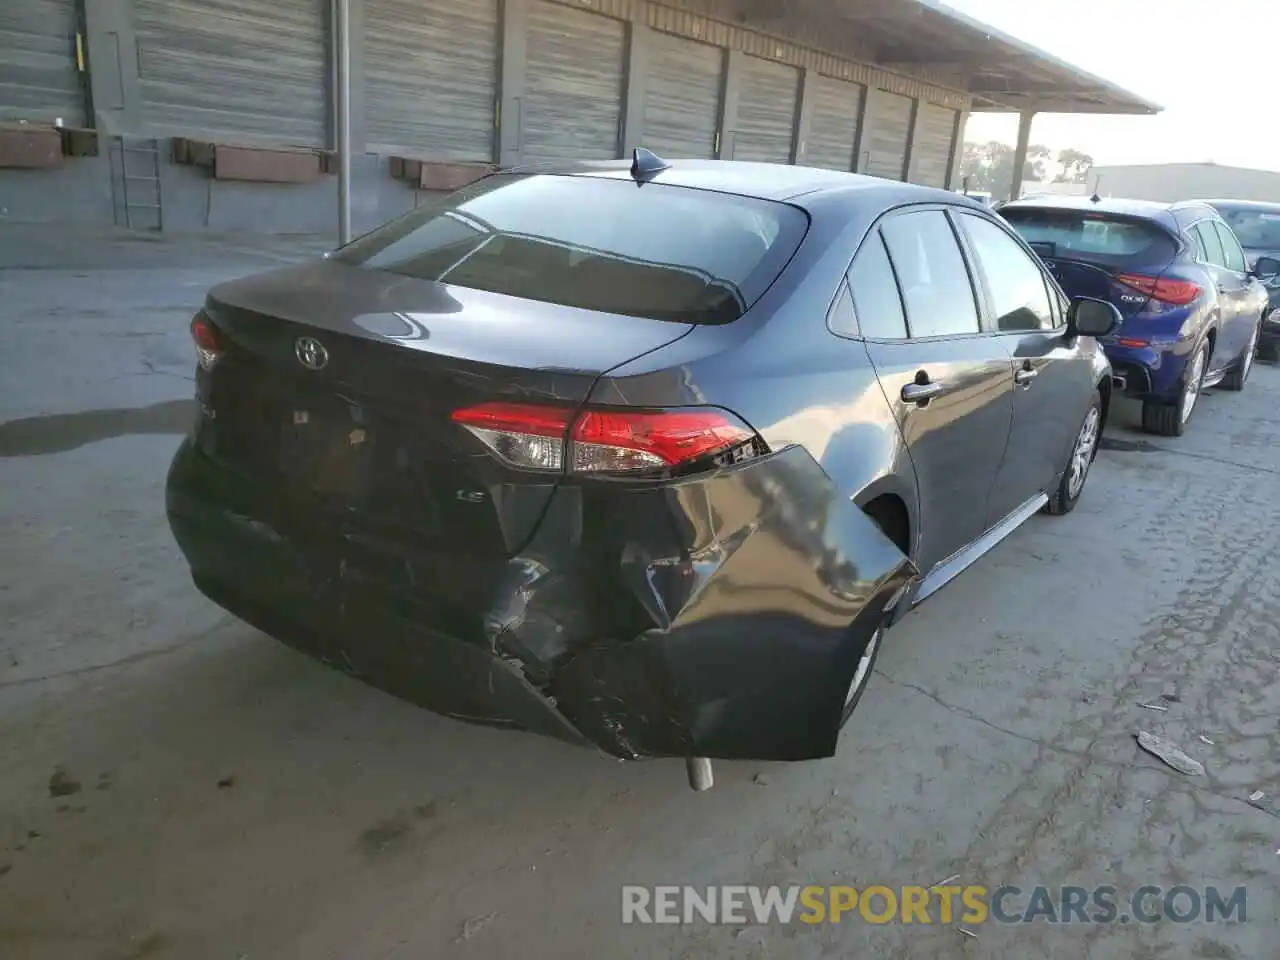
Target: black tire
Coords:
[[1166, 419], [1067, 495], [1239, 375], [1269, 352]]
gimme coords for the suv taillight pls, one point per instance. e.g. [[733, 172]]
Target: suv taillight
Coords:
[[1179, 292], [207, 339], [608, 440]]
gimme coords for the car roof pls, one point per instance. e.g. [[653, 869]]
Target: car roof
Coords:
[[1261, 205], [764, 181], [1171, 216]]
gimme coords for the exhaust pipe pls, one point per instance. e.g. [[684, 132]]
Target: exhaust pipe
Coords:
[[699, 770], [1119, 383]]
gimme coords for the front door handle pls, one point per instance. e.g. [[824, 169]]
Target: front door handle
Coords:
[[1024, 376], [919, 393]]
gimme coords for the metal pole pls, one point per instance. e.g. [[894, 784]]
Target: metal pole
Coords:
[[1020, 151], [342, 36]]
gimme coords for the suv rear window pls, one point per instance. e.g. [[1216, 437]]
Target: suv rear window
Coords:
[[653, 250], [1093, 236]]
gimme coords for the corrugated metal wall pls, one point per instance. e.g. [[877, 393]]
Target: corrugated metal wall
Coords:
[[767, 102], [833, 127], [241, 70], [572, 107], [38, 75], [931, 150], [889, 135], [682, 99], [431, 77]]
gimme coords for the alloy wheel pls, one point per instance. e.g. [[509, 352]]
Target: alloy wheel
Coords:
[[1191, 390], [1082, 456], [1246, 364], [864, 665]]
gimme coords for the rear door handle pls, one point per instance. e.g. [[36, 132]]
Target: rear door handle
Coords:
[[922, 392], [1024, 376]]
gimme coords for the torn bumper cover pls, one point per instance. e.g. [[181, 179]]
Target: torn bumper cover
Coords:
[[722, 616]]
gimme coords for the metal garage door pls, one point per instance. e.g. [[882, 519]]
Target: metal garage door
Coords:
[[240, 70], [766, 120], [931, 151], [38, 75], [682, 101], [572, 106], [833, 128], [431, 77], [889, 132]]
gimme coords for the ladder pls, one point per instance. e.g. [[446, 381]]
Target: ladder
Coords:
[[138, 174]]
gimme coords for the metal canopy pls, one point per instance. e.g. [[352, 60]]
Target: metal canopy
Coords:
[[928, 39]]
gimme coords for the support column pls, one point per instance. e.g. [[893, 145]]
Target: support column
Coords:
[[111, 49], [342, 40], [957, 149], [637, 81], [909, 168], [1020, 151], [804, 117], [511, 81], [729, 104]]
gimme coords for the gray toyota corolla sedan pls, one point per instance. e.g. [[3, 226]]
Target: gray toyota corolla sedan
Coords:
[[641, 455]]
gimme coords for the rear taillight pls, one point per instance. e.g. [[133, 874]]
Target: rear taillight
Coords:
[[608, 440], [1167, 290], [207, 339]]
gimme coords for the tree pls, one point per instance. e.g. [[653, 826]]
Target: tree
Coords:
[[1075, 166], [989, 166]]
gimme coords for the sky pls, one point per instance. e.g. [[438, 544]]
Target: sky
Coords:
[[1212, 64]]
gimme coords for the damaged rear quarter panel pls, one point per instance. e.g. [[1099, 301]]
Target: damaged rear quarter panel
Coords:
[[738, 605]]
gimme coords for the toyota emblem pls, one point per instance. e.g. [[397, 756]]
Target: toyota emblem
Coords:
[[311, 353]]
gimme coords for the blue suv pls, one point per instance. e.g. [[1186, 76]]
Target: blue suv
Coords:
[[1191, 304]]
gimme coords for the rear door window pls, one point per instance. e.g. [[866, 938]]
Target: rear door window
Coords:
[[1015, 282], [1211, 242], [876, 300], [936, 289], [1085, 235], [654, 250], [1231, 248]]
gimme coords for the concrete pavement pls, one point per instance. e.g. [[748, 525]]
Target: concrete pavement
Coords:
[[175, 785]]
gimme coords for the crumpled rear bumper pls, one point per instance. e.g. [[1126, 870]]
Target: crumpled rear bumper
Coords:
[[721, 616]]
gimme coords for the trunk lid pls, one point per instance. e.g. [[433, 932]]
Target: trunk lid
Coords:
[[364, 440]]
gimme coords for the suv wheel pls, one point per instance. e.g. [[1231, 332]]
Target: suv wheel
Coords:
[[1235, 380], [1170, 419]]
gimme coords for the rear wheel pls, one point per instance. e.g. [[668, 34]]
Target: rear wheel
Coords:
[[1083, 453], [892, 523], [1236, 379], [1170, 419]]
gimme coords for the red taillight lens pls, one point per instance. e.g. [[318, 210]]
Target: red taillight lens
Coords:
[[603, 441], [1167, 290], [615, 441], [207, 340]]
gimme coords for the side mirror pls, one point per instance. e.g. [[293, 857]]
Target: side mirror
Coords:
[[1087, 317], [1266, 268]]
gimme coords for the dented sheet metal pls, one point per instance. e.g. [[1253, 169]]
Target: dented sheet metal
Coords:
[[721, 616]]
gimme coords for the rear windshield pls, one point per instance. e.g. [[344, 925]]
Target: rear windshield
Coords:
[[653, 250], [1079, 234], [1255, 229]]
